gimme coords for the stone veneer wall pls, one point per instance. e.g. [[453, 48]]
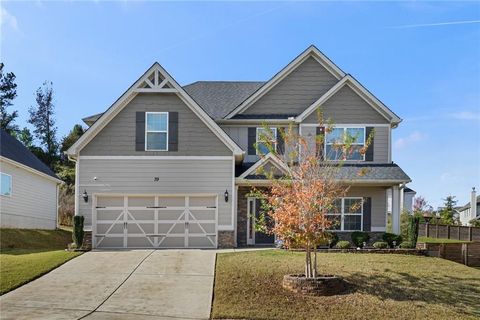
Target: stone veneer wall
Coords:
[[226, 239]]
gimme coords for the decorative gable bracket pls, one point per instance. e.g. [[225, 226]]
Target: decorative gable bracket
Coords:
[[156, 82]]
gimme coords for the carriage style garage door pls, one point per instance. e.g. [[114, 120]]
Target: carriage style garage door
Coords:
[[155, 221]]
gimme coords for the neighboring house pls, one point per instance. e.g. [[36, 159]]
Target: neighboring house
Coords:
[[29, 189], [406, 200], [469, 212], [172, 166]]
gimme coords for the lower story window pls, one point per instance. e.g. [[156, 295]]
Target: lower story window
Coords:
[[347, 214], [6, 184]]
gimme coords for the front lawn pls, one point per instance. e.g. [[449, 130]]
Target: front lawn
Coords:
[[384, 286], [439, 240], [27, 254]]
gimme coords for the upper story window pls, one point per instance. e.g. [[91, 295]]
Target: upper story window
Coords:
[[347, 214], [339, 138], [265, 134], [156, 131], [6, 184]]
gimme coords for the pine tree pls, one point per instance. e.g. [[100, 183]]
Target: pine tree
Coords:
[[43, 120], [8, 92]]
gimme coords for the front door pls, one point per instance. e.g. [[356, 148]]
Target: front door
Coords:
[[254, 209]]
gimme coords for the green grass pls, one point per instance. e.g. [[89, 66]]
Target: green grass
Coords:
[[439, 240], [27, 254], [383, 286]]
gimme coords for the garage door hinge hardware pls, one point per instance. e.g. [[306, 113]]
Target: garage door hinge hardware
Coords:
[[156, 207], [211, 207], [99, 207]]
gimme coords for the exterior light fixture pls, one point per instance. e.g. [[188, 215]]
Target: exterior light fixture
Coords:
[[85, 196], [226, 195]]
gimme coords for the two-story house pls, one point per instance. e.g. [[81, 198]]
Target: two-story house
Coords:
[[168, 166]]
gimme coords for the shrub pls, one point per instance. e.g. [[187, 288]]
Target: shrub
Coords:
[[474, 223], [78, 233], [343, 245], [390, 237], [359, 237], [380, 245], [413, 230], [407, 245], [333, 239]]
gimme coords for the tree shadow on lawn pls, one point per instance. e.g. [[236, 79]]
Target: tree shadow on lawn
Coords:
[[401, 286]]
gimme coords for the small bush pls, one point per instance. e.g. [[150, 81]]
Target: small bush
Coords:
[[359, 237], [333, 239], [380, 245], [390, 237], [343, 245], [407, 245], [78, 232]]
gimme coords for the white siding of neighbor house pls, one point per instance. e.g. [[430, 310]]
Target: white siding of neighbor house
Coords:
[[136, 176], [33, 203]]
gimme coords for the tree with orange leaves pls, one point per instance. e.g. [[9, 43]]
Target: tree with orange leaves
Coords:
[[299, 200]]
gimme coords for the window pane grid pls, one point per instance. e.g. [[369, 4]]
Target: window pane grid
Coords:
[[156, 131], [348, 215], [261, 135], [6, 185], [336, 139]]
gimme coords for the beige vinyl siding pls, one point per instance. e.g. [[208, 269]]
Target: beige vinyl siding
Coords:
[[296, 92], [117, 138], [136, 176], [379, 202], [346, 106], [33, 203], [380, 142]]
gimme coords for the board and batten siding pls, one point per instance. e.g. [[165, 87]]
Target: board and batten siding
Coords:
[[379, 203], [33, 203], [346, 106], [117, 138], [137, 176], [380, 141], [296, 92]]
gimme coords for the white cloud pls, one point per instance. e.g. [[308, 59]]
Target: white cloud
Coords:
[[466, 115], [412, 138], [7, 19]]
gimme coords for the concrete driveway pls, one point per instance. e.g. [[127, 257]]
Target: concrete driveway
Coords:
[[137, 284]]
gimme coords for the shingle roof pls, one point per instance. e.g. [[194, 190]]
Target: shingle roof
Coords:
[[14, 150], [356, 172], [218, 98]]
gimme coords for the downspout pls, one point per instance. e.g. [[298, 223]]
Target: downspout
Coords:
[[76, 183]]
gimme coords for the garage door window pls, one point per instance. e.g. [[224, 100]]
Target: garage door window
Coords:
[[156, 131], [6, 185]]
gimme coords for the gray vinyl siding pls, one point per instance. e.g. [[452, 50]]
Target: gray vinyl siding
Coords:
[[346, 106], [175, 177], [117, 138], [380, 142], [33, 203], [297, 91], [379, 202]]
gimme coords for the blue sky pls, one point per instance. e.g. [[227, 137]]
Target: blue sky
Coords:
[[420, 58]]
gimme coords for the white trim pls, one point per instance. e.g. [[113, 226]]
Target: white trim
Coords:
[[224, 227], [389, 156], [378, 229], [29, 169], [121, 102], [273, 129], [156, 131], [362, 93], [250, 202], [209, 158], [348, 125], [11, 185], [255, 182], [311, 51], [77, 185], [263, 160], [233, 196], [249, 122]]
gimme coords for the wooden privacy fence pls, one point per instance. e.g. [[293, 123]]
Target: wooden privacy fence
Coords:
[[464, 253], [449, 232]]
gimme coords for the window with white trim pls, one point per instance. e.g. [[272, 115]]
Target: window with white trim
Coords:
[[339, 138], [347, 214], [6, 184], [156, 131], [262, 136]]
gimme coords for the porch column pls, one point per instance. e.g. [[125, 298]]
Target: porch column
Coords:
[[396, 209]]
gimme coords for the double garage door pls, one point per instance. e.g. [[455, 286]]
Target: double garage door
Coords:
[[155, 221]]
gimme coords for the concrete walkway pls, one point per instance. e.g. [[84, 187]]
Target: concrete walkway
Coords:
[[137, 284]]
